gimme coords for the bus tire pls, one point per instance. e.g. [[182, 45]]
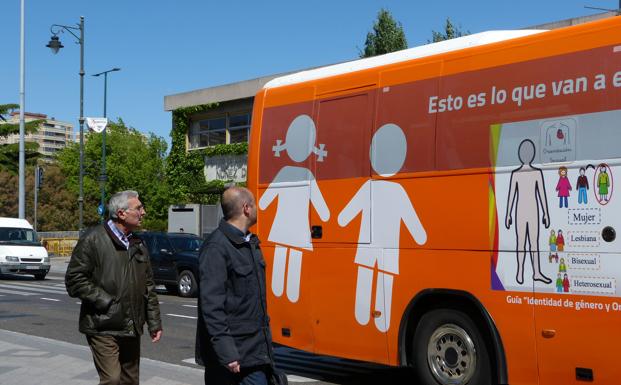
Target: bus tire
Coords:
[[448, 349]]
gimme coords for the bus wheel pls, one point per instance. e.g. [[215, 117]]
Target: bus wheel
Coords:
[[449, 349]]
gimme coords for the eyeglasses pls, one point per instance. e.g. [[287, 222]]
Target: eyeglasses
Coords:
[[139, 208]]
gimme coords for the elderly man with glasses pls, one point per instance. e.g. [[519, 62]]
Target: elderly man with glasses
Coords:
[[110, 272]]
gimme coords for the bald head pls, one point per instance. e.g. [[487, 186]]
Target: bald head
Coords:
[[233, 201]]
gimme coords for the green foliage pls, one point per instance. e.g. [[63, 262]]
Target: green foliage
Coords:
[[9, 153], [387, 36], [451, 31], [185, 169], [225, 149], [133, 162]]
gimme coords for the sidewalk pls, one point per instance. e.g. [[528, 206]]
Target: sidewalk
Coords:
[[26, 360]]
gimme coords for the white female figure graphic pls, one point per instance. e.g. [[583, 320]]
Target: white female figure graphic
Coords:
[[296, 188], [382, 214]]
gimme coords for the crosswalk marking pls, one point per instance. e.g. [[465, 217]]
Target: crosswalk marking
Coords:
[[5, 291], [50, 299], [194, 306], [36, 289], [38, 286]]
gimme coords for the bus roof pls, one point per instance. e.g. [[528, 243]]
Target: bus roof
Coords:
[[426, 50]]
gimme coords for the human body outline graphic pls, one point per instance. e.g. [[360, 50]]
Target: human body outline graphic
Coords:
[[290, 230], [527, 193], [383, 205]]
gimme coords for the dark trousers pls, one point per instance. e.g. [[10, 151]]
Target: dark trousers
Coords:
[[117, 359], [219, 375]]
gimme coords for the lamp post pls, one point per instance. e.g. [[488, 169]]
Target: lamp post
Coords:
[[103, 178], [55, 45]]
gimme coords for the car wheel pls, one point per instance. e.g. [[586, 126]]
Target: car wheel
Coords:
[[40, 276], [449, 349], [186, 284]]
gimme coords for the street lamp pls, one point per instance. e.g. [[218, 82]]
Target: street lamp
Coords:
[[103, 178], [55, 45]]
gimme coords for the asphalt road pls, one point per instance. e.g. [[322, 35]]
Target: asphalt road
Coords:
[[43, 308]]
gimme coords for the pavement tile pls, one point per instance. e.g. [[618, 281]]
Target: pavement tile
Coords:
[[33, 360]]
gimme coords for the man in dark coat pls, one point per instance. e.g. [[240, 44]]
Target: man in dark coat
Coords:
[[110, 273], [233, 337]]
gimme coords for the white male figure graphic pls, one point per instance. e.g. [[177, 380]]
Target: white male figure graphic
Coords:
[[296, 188], [527, 193], [382, 215]]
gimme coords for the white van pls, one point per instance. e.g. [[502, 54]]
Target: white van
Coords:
[[20, 250]]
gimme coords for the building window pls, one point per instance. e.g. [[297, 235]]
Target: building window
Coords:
[[239, 127], [221, 129]]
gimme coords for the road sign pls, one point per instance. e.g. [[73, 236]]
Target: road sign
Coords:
[[100, 209], [97, 124]]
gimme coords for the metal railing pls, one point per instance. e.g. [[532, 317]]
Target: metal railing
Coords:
[[59, 242]]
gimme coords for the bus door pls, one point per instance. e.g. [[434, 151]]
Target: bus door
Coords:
[[343, 307], [578, 312], [285, 176]]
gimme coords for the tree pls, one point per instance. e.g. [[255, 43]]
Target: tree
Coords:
[[133, 162], [387, 36], [9, 153], [450, 32], [57, 204]]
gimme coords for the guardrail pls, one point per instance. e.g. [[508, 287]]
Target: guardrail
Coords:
[[59, 246], [59, 242]]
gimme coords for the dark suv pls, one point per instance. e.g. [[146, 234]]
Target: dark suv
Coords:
[[174, 259]]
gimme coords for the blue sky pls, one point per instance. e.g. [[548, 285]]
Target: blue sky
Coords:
[[166, 47]]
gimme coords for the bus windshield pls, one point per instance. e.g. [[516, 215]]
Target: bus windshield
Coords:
[[18, 236]]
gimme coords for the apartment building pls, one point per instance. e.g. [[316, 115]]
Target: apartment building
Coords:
[[52, 136]]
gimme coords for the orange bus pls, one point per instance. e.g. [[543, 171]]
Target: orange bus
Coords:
[[449, 207]]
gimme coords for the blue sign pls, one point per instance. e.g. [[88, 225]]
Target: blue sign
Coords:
[[100, 209]]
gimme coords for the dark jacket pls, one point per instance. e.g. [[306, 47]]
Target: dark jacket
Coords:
[[114, 284], [232, 315]]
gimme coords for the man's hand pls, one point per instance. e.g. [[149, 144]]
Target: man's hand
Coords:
[[156, 335], [233, 367]]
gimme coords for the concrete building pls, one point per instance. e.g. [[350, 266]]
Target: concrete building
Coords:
[[230, 121], [53, 135]]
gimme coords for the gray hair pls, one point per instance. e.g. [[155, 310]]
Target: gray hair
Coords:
[[119, 201]]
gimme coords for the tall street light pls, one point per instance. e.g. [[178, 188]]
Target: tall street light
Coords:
[[103, 178], [55, 45]]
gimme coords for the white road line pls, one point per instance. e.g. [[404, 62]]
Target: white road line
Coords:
[[22, 287], [15, 292], [181, 316], [41, 286], [190, 361], [78, 303], [194, 306], [50, 299]]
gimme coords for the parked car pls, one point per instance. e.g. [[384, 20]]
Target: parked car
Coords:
[[20, 250], [174, 260]]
